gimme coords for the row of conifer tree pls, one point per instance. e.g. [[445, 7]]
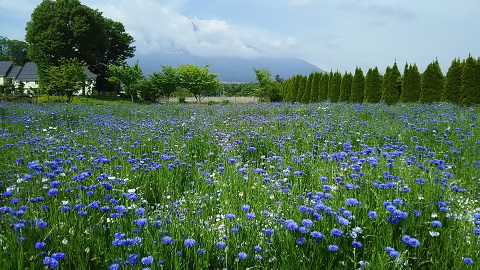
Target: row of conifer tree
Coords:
[[461, 85]]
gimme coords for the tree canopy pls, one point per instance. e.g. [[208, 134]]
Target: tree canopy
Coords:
[[66, 78], [129, 76], [197, 80], [266, 87], [66, 29], [13, 50]]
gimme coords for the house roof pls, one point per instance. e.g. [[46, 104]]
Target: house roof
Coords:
[[5, 67], [28, 72], [14, 71]]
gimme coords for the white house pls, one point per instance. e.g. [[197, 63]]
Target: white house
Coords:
[[29, 76]]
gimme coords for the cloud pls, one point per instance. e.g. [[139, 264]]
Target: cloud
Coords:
[[158, 26]]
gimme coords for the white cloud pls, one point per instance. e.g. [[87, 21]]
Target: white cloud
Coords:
[[158, 26]]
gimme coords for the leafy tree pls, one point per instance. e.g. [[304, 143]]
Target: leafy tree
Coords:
[[66, 78], [8, 87], [358, 86], [197, 80], [66, 29], [411, 84], [470, 82], [432, 83], [373, 86], [163, 83], [392, 85], [292, 94], [266, 87], [453, 83], [323, 90], [345, 87], [128, 76], [13, 50], [315, 87]]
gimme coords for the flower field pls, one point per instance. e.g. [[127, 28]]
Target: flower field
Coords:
[[259, 186]]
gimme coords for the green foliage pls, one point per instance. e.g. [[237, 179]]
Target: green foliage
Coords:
[[323, 90], [334, 86], [470, 82], [66, 29], [164, 83], [13, 50], [411, 84], [8, 87], [392, 85], [302, 83], [453, 83], [432, 83], [197, 80], [129, 76], [308, 89], [314, 91], [358, 86], [266, 87], [66, 78], [373, 86], [346, 87]]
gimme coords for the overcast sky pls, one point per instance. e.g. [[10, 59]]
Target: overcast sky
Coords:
[[333, 34]]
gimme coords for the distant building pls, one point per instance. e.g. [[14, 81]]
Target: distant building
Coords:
[[27, 74]]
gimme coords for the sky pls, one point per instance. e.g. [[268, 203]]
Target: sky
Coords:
[[331, 34]]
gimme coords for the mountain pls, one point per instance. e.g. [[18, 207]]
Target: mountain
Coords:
[[229, 69]]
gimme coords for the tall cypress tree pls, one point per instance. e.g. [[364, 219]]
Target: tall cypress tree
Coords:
[[308, 87], [323, 90], [345, 87], [295, 85], [453, 83], [315, 87], [358, 86], [471, 82], [301, 88], [334, 86], [391, 85], [373, 86], [411, 84], [432, 83]]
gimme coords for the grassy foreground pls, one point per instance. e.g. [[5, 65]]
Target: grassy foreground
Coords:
[[263, 186]]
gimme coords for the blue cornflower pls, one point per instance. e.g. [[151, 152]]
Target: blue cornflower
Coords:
[[398, 201], [394, 254], [336, 232], [40, 244], [257, 248], [356, 244], [301, 241], [410, 241], [333, 248], [221, 244], [477, 216], [476, 230], [140, 222], [372, 214], [316, 235], [167, 240], [436, 223], [120, 208], [250, 215], [242, 255], [147, 260], [230, 216], [303, 230], [52, 192], [114, 266], [119, 235], [245, 207], [291, 224], [307, 222], [268, 231], [41, 224], [201, 251], [352, 202], [51, 262], [468, 260], [189, 242], [58, 255], [343, 221]]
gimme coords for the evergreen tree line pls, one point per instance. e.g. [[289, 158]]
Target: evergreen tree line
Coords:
[[461, 85]]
